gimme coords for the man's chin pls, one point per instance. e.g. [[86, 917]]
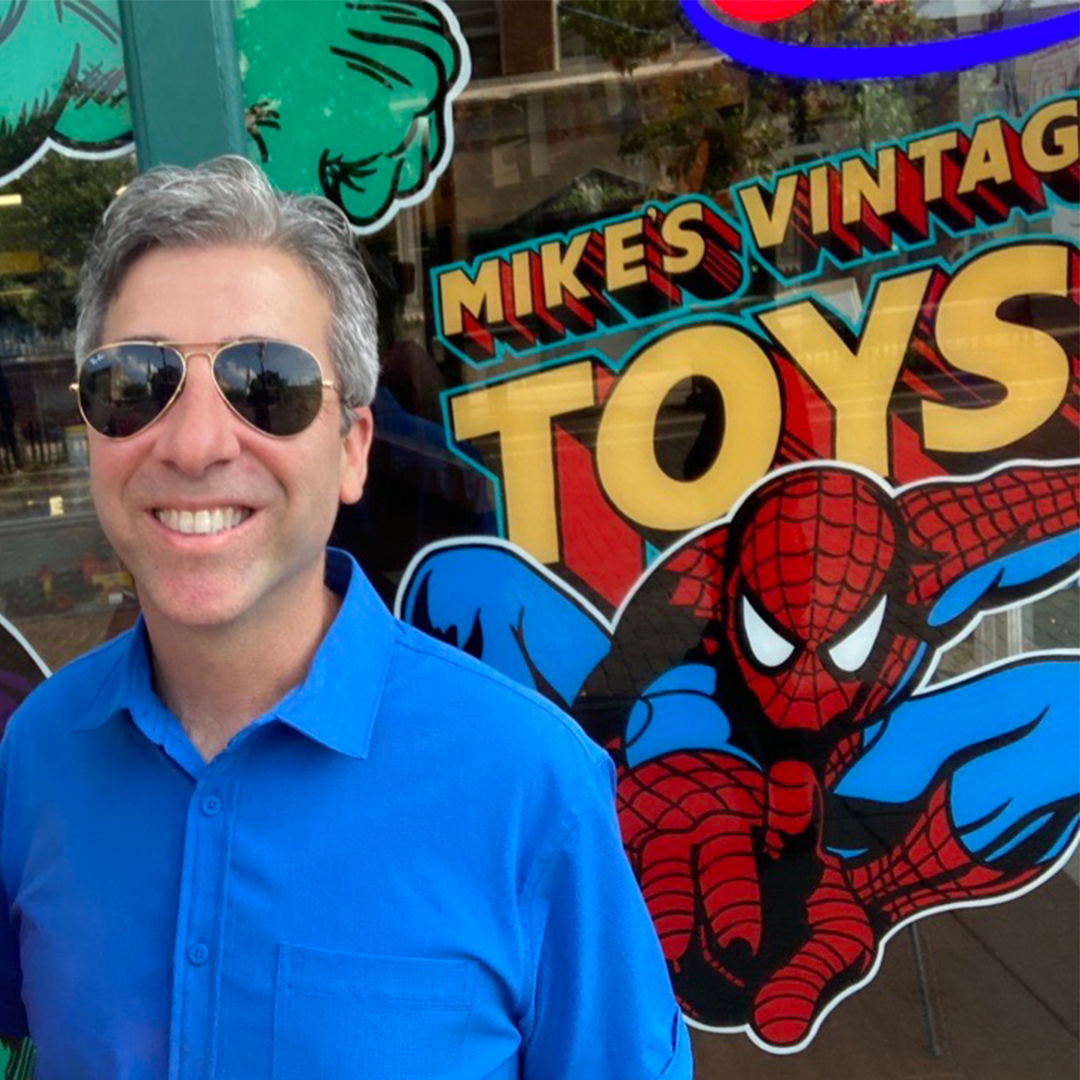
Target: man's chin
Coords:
[[206, 607]]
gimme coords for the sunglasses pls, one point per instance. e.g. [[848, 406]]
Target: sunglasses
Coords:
[[274, 386]]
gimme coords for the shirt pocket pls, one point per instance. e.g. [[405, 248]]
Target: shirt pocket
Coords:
[[339, 1016]]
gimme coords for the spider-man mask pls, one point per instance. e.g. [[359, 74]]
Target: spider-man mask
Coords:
[[809, 597]]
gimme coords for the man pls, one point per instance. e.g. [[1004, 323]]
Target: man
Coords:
[[271, 832]]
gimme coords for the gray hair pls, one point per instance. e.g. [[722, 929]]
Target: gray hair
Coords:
[[229, 201]]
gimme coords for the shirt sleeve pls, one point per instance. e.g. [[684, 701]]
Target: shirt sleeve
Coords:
[[602, 1004]]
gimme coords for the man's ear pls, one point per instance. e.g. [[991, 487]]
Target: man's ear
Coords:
[[355, 446]]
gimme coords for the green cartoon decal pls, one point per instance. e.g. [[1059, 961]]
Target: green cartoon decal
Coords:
[[352, 100], [63, 86]]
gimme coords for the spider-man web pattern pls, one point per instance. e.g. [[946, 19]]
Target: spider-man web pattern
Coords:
[[790, 789]]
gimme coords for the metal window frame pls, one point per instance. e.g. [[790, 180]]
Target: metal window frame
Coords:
[[183, 77]]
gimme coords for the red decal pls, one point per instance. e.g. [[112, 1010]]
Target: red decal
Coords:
[[762, 11], [598, 546]]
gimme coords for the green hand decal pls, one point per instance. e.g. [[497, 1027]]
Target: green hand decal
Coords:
[[63, 82], [352, 99]]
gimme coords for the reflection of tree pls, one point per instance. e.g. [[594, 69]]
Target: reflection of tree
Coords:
[[624, 32], [276, 402], [263, 390], [63, 199], [164, 381], [132, 391], [709, 128]]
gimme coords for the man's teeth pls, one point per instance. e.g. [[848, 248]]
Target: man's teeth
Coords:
[[202, 522]]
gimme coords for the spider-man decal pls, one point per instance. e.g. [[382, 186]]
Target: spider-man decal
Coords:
[[788, 792]]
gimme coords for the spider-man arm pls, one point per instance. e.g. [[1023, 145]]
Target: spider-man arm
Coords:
[[487, 599], [698, 827], [969, 790], [988, 542]]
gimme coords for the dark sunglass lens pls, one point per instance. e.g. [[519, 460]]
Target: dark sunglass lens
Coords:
[[275, 386], [124, 387]]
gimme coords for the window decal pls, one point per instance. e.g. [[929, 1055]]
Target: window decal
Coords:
[[854, 648], [64, 87], [833, 63], [354, 100], [804, 809]]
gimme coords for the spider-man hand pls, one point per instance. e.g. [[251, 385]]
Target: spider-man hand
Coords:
[[703, 831]]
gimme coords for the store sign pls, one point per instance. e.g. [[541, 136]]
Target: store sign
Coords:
[[837, 63], [753, 629], [63, 84], [352, 100]]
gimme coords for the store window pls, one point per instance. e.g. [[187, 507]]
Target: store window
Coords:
[[637, 314], [65, 151], [733, 406]]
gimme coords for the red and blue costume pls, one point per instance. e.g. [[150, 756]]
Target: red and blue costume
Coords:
[[791, 789]]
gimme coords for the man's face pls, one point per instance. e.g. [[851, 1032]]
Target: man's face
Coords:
[[201, 456]]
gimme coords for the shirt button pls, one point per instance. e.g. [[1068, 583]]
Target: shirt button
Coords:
[[211, 805], [198, 954]]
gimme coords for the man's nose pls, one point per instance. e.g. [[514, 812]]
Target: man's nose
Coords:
[[199, 430]]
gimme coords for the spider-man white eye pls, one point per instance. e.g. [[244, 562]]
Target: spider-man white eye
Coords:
[[850, 651], [766, 646]]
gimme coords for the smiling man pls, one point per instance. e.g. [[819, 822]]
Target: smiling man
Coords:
[[271, 832]]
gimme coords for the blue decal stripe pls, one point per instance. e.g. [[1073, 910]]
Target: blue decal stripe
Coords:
[[836, 64], [1066, 837], [1022, 835]]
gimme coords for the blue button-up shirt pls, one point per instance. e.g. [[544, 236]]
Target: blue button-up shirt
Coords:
[[410, 867]]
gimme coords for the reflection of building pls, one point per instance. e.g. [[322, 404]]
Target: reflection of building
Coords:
[[47, 524]]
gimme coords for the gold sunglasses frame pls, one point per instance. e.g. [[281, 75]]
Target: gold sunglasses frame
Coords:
[[211, 355]]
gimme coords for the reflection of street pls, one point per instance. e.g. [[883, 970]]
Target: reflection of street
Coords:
[[58, 566], [10, 457], [996, 975], [53, 558]]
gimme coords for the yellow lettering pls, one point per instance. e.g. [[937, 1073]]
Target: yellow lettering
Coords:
[[857, 186], [624, 262], [1029, 363], [521, 275], [481, 296], [559, 268], [858, 384], [987, 158], [769, 229], [819, 200], [1066, 144], [625, 455], [930, 151], [688, 242], [520, 413]]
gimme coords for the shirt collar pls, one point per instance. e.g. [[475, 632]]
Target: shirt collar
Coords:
[[336, 703]]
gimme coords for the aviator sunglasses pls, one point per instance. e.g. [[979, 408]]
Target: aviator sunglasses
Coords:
[[274, 386]]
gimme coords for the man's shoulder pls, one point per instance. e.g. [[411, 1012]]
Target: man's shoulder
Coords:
[[73, 691], [475, 699]]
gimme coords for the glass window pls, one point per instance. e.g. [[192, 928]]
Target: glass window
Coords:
[[60, 584], [732, 406], [518, 415]]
